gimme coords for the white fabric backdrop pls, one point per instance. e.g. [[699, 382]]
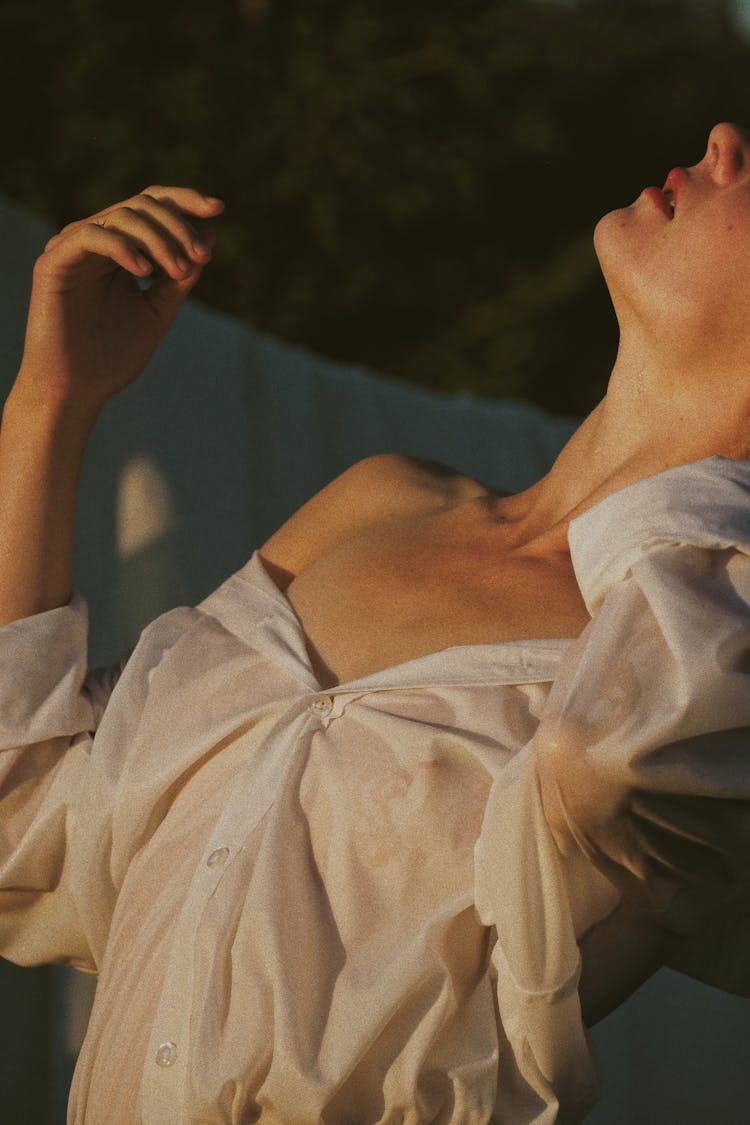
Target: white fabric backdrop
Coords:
[[192, 467]]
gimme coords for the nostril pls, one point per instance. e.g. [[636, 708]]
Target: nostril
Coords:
[[728, 151]]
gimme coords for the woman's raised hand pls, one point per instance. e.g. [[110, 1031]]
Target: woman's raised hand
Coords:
[[91, 328]]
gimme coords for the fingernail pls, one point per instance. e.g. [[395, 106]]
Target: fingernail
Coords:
[[214, 199], [180, 262], [142, 263], [201, 247]]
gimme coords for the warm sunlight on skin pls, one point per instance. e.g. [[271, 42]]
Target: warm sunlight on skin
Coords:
[[680, 281], [679, 390], [442, 773]]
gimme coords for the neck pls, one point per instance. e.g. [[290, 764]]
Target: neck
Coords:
[[649, 420]]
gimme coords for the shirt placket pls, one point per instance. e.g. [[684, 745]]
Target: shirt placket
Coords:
[[165, 1078]]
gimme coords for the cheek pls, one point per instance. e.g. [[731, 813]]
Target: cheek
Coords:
[[685, 280], [711, 274], [711, 259]]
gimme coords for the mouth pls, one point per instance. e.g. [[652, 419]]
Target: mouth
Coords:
[[673, 186], [664, 200]]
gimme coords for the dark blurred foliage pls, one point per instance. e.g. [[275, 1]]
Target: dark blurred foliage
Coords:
[[413, 186]]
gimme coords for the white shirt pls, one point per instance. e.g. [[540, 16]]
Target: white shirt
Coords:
[[348, 905]]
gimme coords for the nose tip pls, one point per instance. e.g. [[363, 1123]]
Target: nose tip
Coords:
[[728, 151]]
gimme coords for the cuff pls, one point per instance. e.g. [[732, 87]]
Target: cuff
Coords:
[[43, 660]]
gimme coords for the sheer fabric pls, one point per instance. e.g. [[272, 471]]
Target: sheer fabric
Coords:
[[364, 904]]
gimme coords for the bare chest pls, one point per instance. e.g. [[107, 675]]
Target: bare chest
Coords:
[[414, 586]]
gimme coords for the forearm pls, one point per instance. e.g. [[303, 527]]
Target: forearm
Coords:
[[91, 331], [618, 954], [42, 445]]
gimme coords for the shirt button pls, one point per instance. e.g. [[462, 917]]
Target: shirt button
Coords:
[[166, 1055], [217, 857], [320, 706]]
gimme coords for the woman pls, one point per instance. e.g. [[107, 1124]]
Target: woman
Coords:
[[434, 780]]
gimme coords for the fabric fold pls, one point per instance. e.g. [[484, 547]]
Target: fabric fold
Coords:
[[703, 504], [43, 665], [539, 907]]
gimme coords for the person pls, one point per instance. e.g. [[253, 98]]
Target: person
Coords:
[[437, 778]]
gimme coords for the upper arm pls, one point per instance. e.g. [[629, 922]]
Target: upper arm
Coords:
[[370, 491], [46, 722], [641, 753]]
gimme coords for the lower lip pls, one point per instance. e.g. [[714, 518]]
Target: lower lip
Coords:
[[656, 196]]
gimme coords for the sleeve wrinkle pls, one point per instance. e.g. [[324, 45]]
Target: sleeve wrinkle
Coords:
[[655, 787], [50, 707]]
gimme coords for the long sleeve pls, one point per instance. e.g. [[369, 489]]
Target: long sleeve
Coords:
[[638, 778], [644, 749], [50, 707]]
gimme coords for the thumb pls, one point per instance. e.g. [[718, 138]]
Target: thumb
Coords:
[[166, 294]]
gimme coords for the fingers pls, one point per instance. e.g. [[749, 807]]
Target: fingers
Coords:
[[159, 217], [157, 226], [189, 200], [159, 236], [86, 245], [167, 294]]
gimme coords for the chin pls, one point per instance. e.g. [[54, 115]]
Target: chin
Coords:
[[606, 245], [615, 250], [608, 231]]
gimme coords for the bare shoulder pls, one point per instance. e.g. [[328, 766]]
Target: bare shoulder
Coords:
[[411, 481], [373, 490]]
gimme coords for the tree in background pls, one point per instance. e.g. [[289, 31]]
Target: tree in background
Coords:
[[412, 186]]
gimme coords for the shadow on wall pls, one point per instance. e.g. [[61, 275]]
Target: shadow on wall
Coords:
[[224, 436]]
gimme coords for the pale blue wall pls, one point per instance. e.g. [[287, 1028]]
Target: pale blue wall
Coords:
[[223, 437]]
